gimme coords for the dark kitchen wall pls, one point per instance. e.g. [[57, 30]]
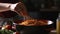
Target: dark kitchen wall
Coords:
[[48, 15], [58, 3], [35, 5], [34, 15], [32, 5]]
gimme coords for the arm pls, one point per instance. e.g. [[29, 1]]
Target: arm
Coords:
[[4, 7]]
